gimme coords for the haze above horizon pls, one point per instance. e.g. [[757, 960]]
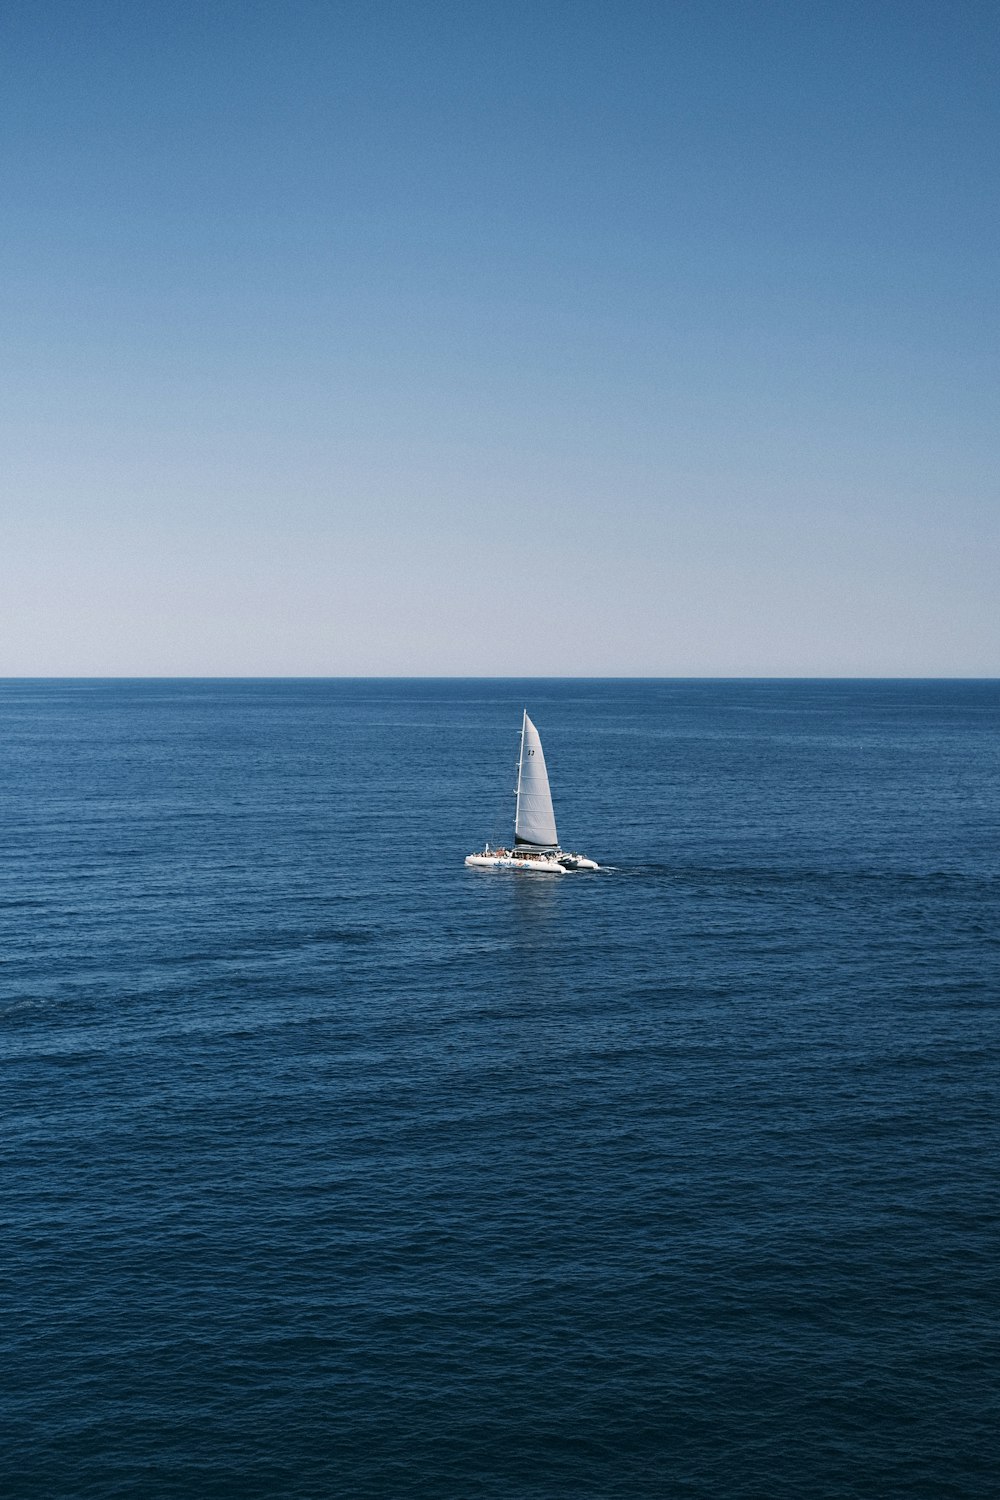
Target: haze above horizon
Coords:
[[523, 341]]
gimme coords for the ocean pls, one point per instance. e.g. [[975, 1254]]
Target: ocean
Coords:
[[333, 1168]]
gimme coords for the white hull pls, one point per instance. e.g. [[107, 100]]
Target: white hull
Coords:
[[511, 862], [577, 862]]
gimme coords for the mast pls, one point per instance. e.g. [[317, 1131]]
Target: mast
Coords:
[[520, 768]]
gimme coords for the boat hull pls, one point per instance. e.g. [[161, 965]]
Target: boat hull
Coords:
[[577, 862], [511, 862]]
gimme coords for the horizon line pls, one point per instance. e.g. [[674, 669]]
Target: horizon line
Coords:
[[495, 677]]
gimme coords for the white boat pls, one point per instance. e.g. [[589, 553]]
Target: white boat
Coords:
[[536, 843]]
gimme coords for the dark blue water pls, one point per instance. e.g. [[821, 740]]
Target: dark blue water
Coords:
[[333, 1168]]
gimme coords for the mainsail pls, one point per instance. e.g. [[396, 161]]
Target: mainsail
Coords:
[[534, 821]]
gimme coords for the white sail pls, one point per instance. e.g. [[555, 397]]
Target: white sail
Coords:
[[535, 822]]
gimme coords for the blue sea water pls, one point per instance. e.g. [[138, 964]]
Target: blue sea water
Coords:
[[334, 1168]]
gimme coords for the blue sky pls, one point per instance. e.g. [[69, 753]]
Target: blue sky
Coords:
[[519, 339]]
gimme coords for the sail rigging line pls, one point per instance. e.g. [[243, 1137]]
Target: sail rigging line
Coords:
[[500, 823]]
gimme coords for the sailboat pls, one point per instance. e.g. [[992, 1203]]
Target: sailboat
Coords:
[[536, 843]]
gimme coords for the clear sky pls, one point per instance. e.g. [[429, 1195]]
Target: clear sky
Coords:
[[442, 336]]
